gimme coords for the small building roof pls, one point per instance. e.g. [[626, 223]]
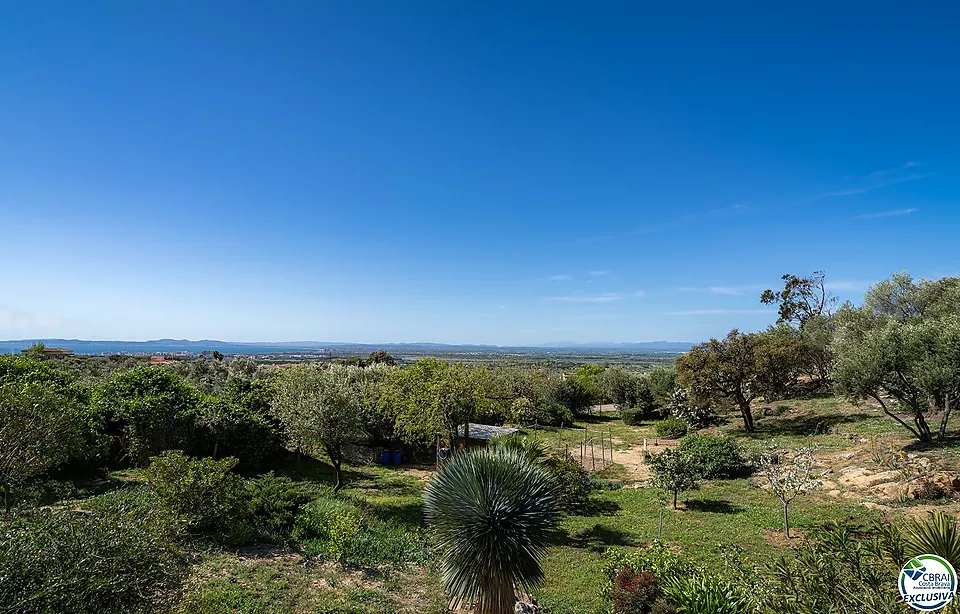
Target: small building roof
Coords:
[[486, 431]]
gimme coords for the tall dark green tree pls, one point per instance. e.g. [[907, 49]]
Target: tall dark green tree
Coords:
[[149, 409]]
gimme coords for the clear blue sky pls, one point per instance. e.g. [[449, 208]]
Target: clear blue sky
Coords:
[[490, 172]]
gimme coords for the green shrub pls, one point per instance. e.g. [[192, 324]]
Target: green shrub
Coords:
[[228, 429], [671, 428], [328, 526], [42, 428], [273, 504], [683, 585], [715, 457], [573, 481], [703, 593], [545, 413], [655, 558], [124, 556], [202, 491], [151, 409], [633, 416], [697, 415]]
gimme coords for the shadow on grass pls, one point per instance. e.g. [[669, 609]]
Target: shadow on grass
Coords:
[[308, 469], [950, 442], [713, 506], [599, 507], [810, 424], [598, 538], [408, 514]]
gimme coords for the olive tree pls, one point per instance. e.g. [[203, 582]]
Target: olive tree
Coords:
[[738, 369], [319, 408], [40, 429], [911, 368]]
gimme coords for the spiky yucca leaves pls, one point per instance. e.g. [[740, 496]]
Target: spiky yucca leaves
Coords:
[[938, 535], [530, 447], [492, 511]]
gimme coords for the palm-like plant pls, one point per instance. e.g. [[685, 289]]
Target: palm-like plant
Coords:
[[492, 511], [938, 535], [530, 447]]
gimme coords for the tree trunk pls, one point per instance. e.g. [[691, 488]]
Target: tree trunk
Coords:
[[675, 493], [786, 522], [466, 436], [339, 472], [886, 410], [216, 445], [744, 406], [943, 422], [499, 599], [336, 459], [922, 427]]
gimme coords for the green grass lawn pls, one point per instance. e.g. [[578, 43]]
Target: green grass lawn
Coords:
[[722, 512]]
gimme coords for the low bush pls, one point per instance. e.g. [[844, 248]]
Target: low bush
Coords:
[[545, 413], [123, 556], [573, 481], [703, 593], [273, 504], [682, 586], [633, 416], [715, 457], [328, 527], [671, 428], [634, 592], [228, 429], [203, 491]]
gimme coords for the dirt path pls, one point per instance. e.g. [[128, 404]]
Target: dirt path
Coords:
[[633, 458]]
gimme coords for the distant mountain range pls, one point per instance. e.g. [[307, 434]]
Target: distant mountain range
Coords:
[[162, 346]]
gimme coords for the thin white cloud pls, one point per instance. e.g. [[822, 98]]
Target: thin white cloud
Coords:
[[873, 181], [596, 298], [893, 213], [597, 273], [639, 293], [691, 218], [714, 312], [559, 278]]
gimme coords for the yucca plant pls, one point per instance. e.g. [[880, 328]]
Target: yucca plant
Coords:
[[530, 447], [492, 511], [938, 535]]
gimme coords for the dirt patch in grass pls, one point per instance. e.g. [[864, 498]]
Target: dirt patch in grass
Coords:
[[634, 459], [777, 538]]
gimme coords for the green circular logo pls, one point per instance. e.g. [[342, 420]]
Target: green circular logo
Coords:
[[927, 582]]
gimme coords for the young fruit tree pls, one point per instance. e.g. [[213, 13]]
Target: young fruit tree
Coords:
[[790, 474], [674, 472]]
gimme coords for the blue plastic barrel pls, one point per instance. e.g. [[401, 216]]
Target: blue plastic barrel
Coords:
[[384, 457], [397, 457]]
